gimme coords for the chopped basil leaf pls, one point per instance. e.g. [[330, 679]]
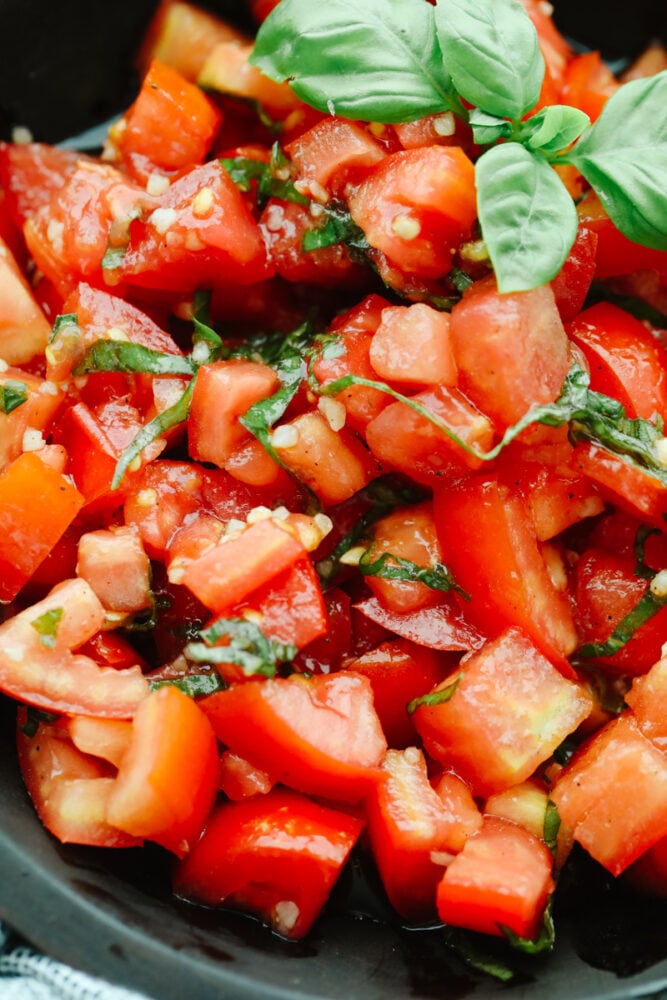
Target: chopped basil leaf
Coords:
[[643, 611], [564, 751], [459, 279], [63, 320], [126, 356], [437, 697], [203, 331], [390, 567], [261, 417], [551, 826], [540, 945], [194, 685], [269, 177], [175, 415], [34, 716], [248, 647], [47, 626], [471, 950], [113, 258], [338, 227], [12, 395]]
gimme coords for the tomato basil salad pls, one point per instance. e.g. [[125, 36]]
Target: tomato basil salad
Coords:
[[334, 475]]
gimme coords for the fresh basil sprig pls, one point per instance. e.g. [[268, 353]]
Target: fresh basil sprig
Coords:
[[399, 60]]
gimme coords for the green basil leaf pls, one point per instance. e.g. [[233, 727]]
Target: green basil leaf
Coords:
[[488, 129], [261, 417], [437, 697], [374, 61], [391, 567], [551, 826], [47, 626], [492, 54], [194, 685], [62, 321], [645, 609], [34, 717], [553, 128], [175, 415], [540, 945], [124, 356], [528, 219], [623, 157], [113, 258], [248, 647], [12, 395]]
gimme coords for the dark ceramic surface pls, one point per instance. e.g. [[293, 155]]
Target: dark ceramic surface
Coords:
[[64, 67]]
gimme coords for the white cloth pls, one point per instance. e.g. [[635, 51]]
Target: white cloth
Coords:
[[27, 975]]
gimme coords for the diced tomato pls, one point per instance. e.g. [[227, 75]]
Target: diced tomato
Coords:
[[182, 36], [409, 533], [70, 789], [333, 463], [511, 350], [326, 653], [606, 590], [501, 878], [201, 233], [239, 779], [161, 497], [333, 153], [172, 122], [112, 649], [24, 330], [227, 70], [625, 360], [38, 665], [416, 206], [615, 254], [283, 225], [588, 84], [30, 173], [412, 346], [413, 444], [291, 606], [648, 700], [107, 739], [557, 495], [28, 489], [319, 735], [613, 794], [406, 824], [442, 626], [461, 811], [277, 855], [399, 671], [632, 488], [571, 284], [507, 580], [40, 403], [509, 711], [236, 567], [115, 565], [223, 392], [168, 777]]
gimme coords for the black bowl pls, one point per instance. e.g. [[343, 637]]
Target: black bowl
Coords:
[[64, 68]]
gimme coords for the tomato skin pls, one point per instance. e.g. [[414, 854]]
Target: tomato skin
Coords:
[[53, 677], [648, 700], [571, 284], [168, 776], [588, 84], [291, 606], [626, 361], [24, 329], [508, 581], [510, 710], [319, 735], [616, 254], [429, 190], [277, 855], [441, 626], [511, 350], [70, 789], [629, 486], [613, 794], [501, 878]]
